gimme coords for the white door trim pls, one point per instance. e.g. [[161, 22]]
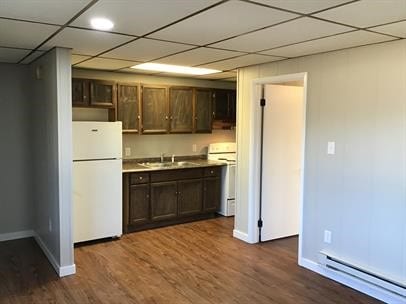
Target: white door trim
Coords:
[[254, 153]]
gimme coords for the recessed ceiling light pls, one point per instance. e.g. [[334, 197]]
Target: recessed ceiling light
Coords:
[[169, 68], [101, 24]]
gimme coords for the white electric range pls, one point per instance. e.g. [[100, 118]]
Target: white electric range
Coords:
[[226, 152]]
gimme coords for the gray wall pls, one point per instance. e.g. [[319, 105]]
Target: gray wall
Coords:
[[51, 153], [152, 145], [357, 98], [15, 153]]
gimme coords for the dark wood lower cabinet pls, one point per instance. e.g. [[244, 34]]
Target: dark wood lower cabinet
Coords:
[[190, 196], [164, 200], [139, 207], [212, 194], [161, 198]]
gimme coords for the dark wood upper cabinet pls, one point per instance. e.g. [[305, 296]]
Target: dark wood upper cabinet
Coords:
[[93, 93], [181, 110], [128, 106], [190, 196], [221, 109], [224, 105], [102, 93], [154, 116], [80, 92], [203, 110]]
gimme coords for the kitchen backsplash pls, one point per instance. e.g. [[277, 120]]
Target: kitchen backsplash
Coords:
[[143, 146]]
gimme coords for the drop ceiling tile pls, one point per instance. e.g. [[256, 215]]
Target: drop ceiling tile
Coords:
[[198, 56], [86, 42], [21, 34], [222, 75], [47, 11], [106, 64], [134, 71], [141, 16], [300, 6], [32, 57], [230, 64], [329, 44], [78, 58], [396, 29], [367, 13], [10, 55], [146, 49], [228, 19], [291, 32]]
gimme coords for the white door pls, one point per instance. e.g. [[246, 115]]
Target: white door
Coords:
[[97, 199], [283, 137]]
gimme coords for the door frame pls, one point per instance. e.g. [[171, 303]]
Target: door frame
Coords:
[[254, 155]]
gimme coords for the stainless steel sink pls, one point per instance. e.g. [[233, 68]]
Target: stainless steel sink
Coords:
[[168, 164]]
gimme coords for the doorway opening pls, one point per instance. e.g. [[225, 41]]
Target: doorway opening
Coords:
[[277, 152]]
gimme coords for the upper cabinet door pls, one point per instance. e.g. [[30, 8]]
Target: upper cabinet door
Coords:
[[203, 110], [181, 110], [232, 103], [128, 106], [80, 92], [221, 107], [103, 93], [154, 114]]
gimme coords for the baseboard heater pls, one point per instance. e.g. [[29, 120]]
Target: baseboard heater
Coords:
[[332, 263]]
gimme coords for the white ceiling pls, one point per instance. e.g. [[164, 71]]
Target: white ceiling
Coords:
[[220, 34]]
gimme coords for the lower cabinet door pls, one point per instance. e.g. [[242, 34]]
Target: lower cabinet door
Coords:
[[139, 209], [164, 203], [211, 194], [190, 196]]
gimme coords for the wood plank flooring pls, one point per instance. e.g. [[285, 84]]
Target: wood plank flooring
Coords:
[[195, 263]]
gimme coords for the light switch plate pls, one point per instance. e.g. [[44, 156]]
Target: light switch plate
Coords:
[[327, 236], [331, 148]]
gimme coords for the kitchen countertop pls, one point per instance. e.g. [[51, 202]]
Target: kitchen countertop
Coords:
[[135, 166]]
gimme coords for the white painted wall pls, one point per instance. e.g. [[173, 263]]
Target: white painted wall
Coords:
[[357, 98], [51, 156], [16, 204], [143, 146], [282, 161]]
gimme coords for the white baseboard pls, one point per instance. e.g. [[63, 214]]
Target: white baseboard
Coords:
[[16, 235], [242, 236], [352, 282], [60, 270]]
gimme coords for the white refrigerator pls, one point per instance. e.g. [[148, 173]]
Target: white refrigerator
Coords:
[[97, 180]]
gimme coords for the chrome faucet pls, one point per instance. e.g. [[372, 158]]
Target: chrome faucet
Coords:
[[162, 157], [173, 158]]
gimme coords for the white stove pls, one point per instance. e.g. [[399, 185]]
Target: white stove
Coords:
[[226, 152]]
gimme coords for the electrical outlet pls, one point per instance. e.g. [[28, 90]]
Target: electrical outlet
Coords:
[[194, 148], [49, 225], [331, 148], [327, 236], [127, 151]]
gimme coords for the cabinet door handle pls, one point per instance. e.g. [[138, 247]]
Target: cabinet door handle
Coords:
[[211, 171], [140, 177], [147, 196], [166, 117]]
